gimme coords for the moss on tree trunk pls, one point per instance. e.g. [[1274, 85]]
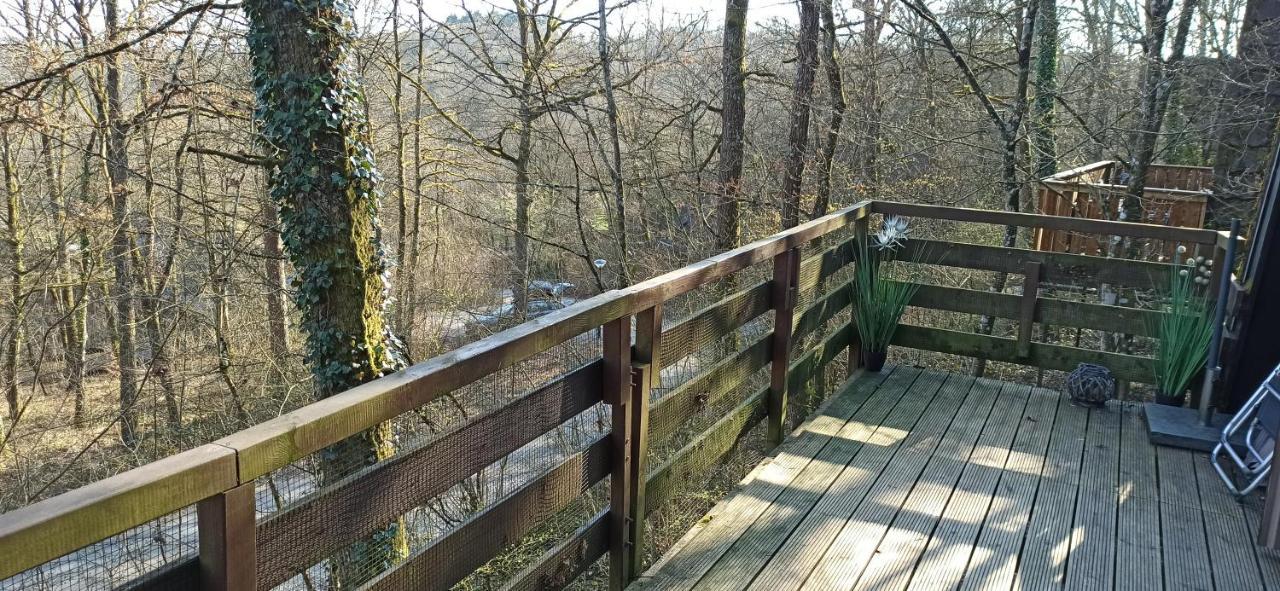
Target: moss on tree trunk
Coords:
[[312, 113]]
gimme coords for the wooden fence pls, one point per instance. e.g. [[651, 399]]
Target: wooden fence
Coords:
[[1174, 196], [239, 551]]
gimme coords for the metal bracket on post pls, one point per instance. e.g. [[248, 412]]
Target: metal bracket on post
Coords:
[[640, 379], [1027, 314], [645, 369]]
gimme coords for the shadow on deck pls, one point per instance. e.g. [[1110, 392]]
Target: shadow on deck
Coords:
[[918, 479]]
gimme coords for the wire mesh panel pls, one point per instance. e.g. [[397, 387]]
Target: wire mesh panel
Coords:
[[118, 560], [455, 458]]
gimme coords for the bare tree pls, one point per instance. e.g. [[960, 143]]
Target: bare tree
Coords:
[[1247, 124], [1156, 86], [801, 102], [733, 114], [835, 88]]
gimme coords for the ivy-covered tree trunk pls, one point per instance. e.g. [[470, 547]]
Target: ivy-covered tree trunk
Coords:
[[1043, 137], [313, 118], [528, 39]]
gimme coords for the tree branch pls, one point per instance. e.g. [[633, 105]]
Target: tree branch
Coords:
[[117, 48]]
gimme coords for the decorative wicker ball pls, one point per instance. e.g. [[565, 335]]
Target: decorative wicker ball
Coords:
[[1091, 385]]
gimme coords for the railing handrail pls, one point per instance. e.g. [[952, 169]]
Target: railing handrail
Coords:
[[51, 528], [1053, 222], [1164, 191]]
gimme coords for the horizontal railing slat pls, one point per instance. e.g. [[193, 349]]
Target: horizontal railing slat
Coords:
[[295, 539], [454, 556], [709, 324], [813, 360], [815, 269], [670, 411], [1057, 267], [704, 451], [823, 310], [715, 321], [1059, 357], [686, 400], [1051, 311], [1031, 220], [711, 445], [558, 567]]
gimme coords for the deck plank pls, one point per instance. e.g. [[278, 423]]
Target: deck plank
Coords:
[[869, 515], [1042, 561], [1181, 523], [995, 558], [1234, 563], [947, 554], [864, 402], [930, 480], [1268, 560], [757, 545], [906, 540], [1091, 565], [1138, 560]]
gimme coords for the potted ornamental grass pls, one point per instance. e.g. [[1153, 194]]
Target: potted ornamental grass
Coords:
[[1183, 330], [879, 300]]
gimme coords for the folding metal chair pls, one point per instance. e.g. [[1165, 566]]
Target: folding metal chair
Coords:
[[1259, 419]]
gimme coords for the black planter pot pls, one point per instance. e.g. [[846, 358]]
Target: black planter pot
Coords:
[[1171, 399], [873, 360]]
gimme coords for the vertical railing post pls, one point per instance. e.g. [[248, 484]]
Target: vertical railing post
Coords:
[[785, 277], [228, 540], [645, 370], [617, 394], [854, 355]]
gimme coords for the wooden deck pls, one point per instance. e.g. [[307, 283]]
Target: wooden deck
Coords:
[[913, 479]]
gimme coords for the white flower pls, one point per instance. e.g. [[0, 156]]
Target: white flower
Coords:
[[1208, 263], [892, 233], [1191, 261], [1182, 249], [1199, 259], [1183, 272]]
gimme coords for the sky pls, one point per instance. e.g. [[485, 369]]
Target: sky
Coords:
[[758, 11]]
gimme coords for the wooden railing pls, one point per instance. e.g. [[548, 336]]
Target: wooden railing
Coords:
[[1042, 269], [238, 551]]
